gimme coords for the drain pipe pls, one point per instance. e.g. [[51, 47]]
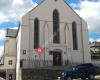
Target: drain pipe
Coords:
[[82, 39]]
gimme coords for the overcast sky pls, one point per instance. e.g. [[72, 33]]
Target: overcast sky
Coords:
[[12, 10]]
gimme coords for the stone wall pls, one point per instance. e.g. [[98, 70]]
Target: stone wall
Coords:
[[39, 74], [10, 73]]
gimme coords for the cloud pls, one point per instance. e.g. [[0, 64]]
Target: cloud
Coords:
[[12, 10], [14, 28], [91, 40], [2, 34], [90, 11], [98, 40]]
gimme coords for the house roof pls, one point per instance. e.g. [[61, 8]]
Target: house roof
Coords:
[[11, 33], [95, 44]]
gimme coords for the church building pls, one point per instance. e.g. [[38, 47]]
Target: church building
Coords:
[[51, 34]]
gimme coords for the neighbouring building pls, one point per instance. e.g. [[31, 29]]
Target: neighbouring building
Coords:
[[95, 52], [57, 32], [9, 57]]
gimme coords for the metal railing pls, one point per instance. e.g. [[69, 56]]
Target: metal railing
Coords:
[[36, 63]]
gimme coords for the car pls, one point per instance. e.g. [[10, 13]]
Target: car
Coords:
[[83, 71]]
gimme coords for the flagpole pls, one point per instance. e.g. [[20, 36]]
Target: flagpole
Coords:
[[44, 43]]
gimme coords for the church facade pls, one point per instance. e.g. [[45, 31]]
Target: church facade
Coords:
[[51, 33]]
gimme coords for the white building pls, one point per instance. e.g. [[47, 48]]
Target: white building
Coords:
[[58, 30]]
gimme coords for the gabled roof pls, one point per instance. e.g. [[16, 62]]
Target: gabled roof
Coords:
[[64, 2], [42, 3]]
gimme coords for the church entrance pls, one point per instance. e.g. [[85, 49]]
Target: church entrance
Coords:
[[57, 58]]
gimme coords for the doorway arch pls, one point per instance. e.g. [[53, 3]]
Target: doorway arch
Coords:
[[57, 57]]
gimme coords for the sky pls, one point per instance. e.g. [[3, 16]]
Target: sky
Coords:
[[12, 10]]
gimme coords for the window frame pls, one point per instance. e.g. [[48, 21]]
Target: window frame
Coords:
[[36, 33], [10, 62], [74, 35], [56, 27]]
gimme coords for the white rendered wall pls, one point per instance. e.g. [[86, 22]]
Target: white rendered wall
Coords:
[[44, 14]]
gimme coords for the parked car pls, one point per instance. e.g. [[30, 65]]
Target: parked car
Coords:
[[83, 71]]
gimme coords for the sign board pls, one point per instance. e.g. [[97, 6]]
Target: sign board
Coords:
[[50, 52]]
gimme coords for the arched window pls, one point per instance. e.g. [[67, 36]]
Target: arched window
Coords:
[[74, 35], [56, 31], [36, 33]]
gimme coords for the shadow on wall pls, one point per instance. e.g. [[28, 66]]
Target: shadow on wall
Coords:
[[2, 75]]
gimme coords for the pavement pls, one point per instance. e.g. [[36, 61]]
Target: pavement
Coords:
[[96, 78], [1, 78]]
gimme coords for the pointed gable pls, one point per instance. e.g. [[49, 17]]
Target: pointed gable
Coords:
[[44, 10]]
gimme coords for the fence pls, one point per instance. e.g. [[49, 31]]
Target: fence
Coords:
[[28, 63], [35, 64]]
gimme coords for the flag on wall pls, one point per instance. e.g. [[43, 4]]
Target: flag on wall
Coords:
[[40, 51]]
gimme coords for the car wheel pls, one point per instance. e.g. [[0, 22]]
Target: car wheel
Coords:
[[69, 78], [91, 77]]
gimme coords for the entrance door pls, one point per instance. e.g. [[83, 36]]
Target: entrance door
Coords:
[[57, 59]]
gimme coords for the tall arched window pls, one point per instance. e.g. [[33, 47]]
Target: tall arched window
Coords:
[[56, 31], [74, 35], [36, 33]]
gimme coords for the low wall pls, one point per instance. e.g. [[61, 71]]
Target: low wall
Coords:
[[96, 62], [39, 74], [12, 73]]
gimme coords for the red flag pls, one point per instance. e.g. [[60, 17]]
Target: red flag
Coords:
[[40, 51]]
